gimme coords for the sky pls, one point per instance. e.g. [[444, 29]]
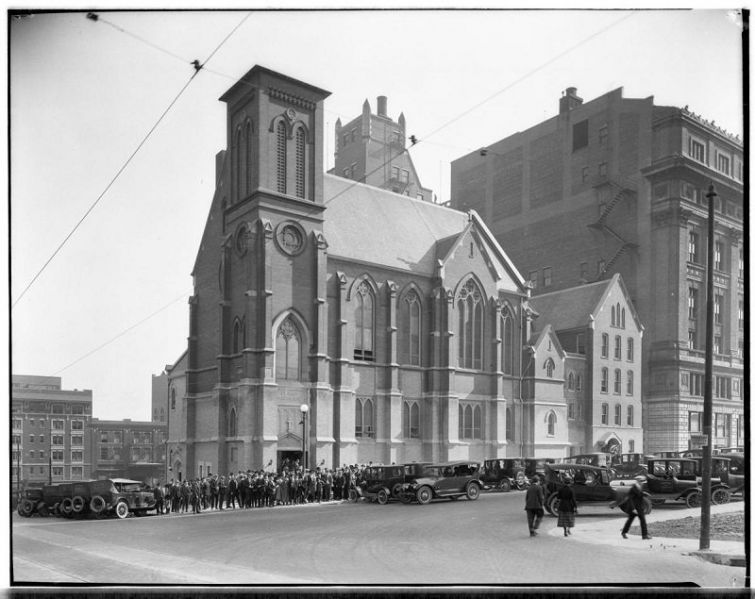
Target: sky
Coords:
[[109, 308]]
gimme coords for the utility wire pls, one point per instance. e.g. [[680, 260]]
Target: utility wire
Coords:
[[197, 68], [122, 333]]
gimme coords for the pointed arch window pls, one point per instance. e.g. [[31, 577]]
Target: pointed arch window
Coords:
[[280, 136], [470, 421], [364, 323], [507, 342], [288, 351], [623, 318], [413, 328], [613, 316], [249, 163], [173, 398], [549, 368], [236, 335], [470, 325], [411, 420], [364, 425], [240, 163], [232, 423], [551, 423], [509, 424], [300, 162], [570, 384]]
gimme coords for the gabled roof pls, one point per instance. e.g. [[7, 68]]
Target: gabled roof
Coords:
[[539, 337], [372, 225], [570, 308]]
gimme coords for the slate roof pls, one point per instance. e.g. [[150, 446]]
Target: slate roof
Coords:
[[373, 225], [569, 308]]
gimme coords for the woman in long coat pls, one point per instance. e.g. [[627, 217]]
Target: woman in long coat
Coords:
[[567, 507]]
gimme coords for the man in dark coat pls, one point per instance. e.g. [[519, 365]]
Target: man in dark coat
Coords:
[[635, 502], [533, 504], [158, 492]]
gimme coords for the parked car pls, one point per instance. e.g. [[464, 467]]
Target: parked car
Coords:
[[629, 465], [382, 483], [720, 491], [735, 477], [452, 480], [504, 474], [590, 484], [673, 479], [590, 459]]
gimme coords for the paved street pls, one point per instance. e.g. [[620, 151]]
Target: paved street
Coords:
[[481, 542]]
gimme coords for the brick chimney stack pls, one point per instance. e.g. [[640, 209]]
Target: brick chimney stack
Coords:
[[569, 100]]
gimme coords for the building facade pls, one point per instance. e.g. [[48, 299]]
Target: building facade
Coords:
[[397, 322], [371, 149], [600, 338], [129, 449], [617, 185], [50, 431]]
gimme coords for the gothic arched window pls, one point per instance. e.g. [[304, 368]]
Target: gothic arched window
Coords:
[[280, 136], [551, 424], [173, 398], [232, 423], [364, 425], [470, 323], [300, 163], [249, 163], [549, 367], [288, 351], [240, 164], [411, 420], [413, 334], [507, 342], [364, 323], [509, 424], [470, 421]]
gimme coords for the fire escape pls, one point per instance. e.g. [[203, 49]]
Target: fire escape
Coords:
[[620, 189]]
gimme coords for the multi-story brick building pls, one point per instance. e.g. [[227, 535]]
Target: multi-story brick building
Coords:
[[50, 432], [618, 185], [398, 323], [129, 449], [371, 149], [600, 337]]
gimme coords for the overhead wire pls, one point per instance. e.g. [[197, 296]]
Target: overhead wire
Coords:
[[197, 68]]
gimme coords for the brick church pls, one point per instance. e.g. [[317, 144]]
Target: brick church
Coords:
[[398, 323]]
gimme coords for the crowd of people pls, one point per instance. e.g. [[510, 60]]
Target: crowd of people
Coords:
[[293, 485]]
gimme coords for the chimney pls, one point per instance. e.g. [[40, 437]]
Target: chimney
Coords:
[[569, 100], [382, 106]]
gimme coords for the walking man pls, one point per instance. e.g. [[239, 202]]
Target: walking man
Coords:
[[635, 502], [534, 501]]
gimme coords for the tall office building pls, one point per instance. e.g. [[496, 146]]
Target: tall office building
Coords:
[[618, 185]]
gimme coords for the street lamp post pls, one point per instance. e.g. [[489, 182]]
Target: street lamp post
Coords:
[[304, 409], [708, 398]]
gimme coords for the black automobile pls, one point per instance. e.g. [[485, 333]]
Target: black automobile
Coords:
[[504, 474], [673, 479], [449, 480], [382, 483]]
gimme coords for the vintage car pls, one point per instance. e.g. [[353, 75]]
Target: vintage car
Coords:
[[120, 496], [504, 474], [629, 465], [735, 476], [720, 487], [451, 479], [589, 484], [673, 479], [382, 483]]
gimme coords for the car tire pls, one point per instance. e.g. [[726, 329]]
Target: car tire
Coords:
[[405, 498], [552, 504], [473, 491], [121, 509], [424, 495], [720, 496], [43, 510], [66, 507], [396, 490], [78, 503], [504, 486], [693, 500], [97, 504], [382, 496], [25, 508]]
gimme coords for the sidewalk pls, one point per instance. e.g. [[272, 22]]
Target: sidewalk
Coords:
[[607, 532]]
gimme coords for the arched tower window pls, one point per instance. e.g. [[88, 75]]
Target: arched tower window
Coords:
[[364, 425], [280, 134], [413, 334], [509, 424], [551, 424], [287, 351], [507, 342], [173, 398], [470, 421], [236, 335], [549, 367], [240, 164], [249, 161], [411, 420], [570, 384], [364, 323], [300, 163], [470, 307], [232, 423]]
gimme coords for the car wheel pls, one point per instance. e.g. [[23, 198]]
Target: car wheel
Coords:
[[66, 507], [382, 496], [25, 508], [473, 491], [43, 510], [396, 490], [121, 509], [424, 495], [505, 486], [552, 504], [78, 504], [97, 504], [693, 499], [720, 496], [405, 498]]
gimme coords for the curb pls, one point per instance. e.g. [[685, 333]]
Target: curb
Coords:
[[722, 559]]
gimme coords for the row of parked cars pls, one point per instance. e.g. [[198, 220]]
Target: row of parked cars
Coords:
[[595, 478], [116, 497]]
